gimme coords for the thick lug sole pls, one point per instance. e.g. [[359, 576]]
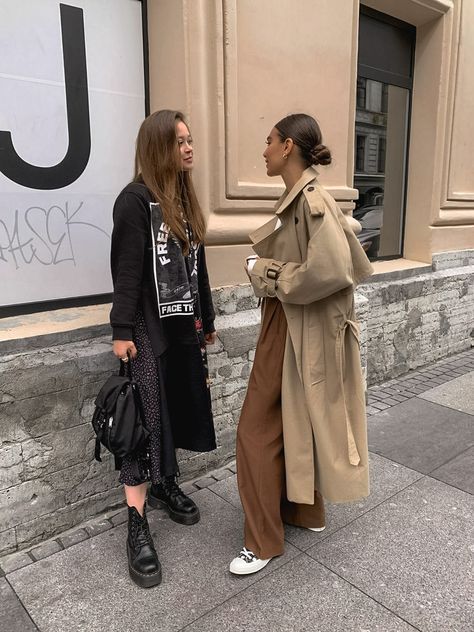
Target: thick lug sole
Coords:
[[176, 516], [144, 580]]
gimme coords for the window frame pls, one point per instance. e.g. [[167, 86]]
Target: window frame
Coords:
[[401, 80]]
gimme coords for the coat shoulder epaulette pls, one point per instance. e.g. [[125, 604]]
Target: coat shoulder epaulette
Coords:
[[316, 203]]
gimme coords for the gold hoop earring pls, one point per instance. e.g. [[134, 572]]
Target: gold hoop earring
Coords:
[[285, 156]]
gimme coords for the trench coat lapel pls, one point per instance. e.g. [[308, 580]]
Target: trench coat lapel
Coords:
[[264, 231], [286, 199], [309, 174]]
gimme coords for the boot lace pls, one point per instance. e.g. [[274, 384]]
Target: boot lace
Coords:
[[141, 533], [171, 487]]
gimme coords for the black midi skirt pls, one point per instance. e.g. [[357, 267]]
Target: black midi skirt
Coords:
[[174, 389]]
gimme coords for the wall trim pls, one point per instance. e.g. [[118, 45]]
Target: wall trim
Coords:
[[236, 189], [416, 12], [452, 199]]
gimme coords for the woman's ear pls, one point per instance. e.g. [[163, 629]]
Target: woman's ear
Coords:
[[288, 146]]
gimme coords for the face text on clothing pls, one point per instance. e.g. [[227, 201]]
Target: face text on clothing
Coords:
[[162, 244], [177, 308]]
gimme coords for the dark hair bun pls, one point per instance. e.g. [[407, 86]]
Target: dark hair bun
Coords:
[[304, 131], [321, 155]]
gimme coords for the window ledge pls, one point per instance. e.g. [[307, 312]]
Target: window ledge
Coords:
[[395, 269], [60, 326]]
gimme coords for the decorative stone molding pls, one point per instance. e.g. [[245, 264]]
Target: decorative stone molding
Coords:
[[458, 187]]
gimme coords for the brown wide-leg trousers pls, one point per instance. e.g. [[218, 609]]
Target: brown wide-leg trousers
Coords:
[[260, 450]]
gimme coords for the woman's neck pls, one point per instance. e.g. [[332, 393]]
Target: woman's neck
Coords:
[[291, 176]]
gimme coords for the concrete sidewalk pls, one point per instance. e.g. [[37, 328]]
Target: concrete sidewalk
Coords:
[[400, 560]]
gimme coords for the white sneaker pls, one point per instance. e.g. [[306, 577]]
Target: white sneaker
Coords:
[[247, 563], [316, 528]]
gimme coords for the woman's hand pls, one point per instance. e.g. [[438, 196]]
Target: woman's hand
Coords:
[[124, 349], [210, 338], [249, 264]]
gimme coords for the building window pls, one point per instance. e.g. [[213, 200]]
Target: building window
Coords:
[[384, 108], [361, 92], [361, 142], [381, 155], [374, 96]]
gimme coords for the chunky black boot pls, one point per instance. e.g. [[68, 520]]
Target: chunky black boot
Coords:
[[143, 563], [168, 495]]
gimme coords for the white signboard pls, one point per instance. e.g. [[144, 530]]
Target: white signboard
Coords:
[[72, 98]]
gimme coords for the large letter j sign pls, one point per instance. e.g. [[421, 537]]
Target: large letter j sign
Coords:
[[77, 105]]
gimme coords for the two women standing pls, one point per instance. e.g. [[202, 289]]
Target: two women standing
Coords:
[[302, 432]]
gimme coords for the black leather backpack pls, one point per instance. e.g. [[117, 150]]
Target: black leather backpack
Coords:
[[118, 420]]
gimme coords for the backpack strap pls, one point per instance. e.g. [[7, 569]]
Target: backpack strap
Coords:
[[97, 449], [125, 367]]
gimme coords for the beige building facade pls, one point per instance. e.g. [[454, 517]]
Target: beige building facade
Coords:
[[237, 66]]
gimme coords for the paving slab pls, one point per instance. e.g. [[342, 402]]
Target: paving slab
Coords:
[[457, 394], [371, 411], [413, 554], [420, 434], [13, 617], [73, 538], [87, 587], [228, 490], [188, 488], [94, 527], [301, 596], [45, 550], [386, 479], [119, 518], [204, 482], [459, 472], [221, 474], [15, 561]]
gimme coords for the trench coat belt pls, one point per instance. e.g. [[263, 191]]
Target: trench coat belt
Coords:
[[353, 453]]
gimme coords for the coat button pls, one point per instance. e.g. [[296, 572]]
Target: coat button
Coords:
[[310, 188], [296, 220]]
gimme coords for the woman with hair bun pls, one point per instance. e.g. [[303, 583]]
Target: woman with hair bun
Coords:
[[302, 434]]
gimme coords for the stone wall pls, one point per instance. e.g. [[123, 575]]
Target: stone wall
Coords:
[[416, 320], [49, 481]]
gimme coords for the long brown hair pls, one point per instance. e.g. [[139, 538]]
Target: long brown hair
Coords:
[[158, 166]]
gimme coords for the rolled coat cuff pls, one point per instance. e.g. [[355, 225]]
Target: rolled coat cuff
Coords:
[[264, 277]]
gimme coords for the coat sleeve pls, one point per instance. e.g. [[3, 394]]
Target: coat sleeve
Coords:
[[326, 270], [129, 241], [205, 297]]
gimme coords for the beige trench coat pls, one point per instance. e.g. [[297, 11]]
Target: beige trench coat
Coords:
[[312, 262]]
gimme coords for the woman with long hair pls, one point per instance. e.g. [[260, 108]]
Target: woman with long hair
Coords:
[[302, 432], [162, 319]]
